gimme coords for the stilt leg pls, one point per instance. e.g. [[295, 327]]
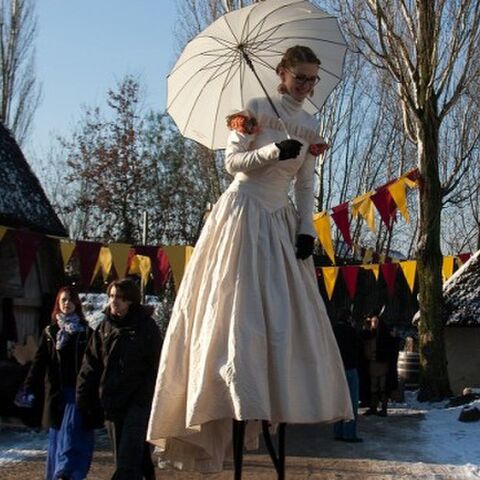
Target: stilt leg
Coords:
[[238, 439], [278, 461], [281, 451]]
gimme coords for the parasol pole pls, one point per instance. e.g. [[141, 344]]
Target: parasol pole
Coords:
[[252, 68]]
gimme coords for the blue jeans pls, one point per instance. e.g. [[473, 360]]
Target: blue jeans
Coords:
[[343, 429]]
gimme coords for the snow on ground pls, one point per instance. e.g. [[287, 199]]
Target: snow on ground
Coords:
[[17, 445], [440, 439]]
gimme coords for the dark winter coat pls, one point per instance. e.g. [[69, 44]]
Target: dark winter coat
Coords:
[[349, 344], [120, 365], [54, 369]]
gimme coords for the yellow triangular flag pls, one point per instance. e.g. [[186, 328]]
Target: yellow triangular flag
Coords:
[[374, 267], [321, 223], [330, 275], [178, 257], [120, 257], [397, 191], [447, 267], [66, 249], [104, 263], [3, 231], [363, 205], [145, 265], [368, 257], [409, 269]]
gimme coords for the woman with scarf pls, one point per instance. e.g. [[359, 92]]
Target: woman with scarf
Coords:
[[55, 368]]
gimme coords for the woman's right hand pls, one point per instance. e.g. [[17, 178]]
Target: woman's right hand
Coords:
[[289, 149]]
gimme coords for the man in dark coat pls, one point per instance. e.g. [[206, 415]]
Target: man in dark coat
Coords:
[[349, 344], [118, 374]]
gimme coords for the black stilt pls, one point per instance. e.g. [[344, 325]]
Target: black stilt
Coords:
[[278, 461], [238, 439]]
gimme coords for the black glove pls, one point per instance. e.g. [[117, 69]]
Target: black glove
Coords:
[[304, 246], [289, 149]]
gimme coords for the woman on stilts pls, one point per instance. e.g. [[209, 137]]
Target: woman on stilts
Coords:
[[249, 339]]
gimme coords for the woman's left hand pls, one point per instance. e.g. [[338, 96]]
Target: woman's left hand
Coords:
[[304, 246]]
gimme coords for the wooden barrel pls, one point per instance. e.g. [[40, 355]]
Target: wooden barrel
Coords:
[[408, 369]]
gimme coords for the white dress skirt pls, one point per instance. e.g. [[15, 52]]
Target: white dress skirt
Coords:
[[249, 337]]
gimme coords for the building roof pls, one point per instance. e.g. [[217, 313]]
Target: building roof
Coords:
[[23, 203], [461, 293]]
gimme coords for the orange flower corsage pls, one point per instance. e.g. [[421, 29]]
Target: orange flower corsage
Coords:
[[243, 124], [317, 149]]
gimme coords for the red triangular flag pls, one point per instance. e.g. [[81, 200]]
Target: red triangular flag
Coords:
[[27, 244], [463, 257], [389, 272], [350, 275], [340, 217], [160, 264], [385, 205], [88, 255]]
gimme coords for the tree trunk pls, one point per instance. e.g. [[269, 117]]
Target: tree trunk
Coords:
[[434, 384]]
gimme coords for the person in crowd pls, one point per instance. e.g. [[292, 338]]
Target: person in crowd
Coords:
[[56, 366], [349, 343], [380, 348], [118, 377], [249, 338]]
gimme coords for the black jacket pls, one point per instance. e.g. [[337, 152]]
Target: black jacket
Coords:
[[349, 344], [120, 365], [54, 369]]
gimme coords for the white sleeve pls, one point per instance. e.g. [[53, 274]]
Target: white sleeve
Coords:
[[238, 157], [304, 195]]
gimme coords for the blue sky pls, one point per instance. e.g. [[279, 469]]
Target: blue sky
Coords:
[[84, 47]]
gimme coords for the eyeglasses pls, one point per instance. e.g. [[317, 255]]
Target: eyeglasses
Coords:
[[303, 79]]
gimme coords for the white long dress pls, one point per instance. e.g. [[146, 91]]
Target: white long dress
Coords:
[[249, 337]]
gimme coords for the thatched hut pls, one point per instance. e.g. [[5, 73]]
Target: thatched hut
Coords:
[[24, 210], [461, 294]]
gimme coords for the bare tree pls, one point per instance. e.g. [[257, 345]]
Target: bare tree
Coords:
[[430, 50], [20, 92]]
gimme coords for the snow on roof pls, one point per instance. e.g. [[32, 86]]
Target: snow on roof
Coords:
[[461, 294], [23, 202]]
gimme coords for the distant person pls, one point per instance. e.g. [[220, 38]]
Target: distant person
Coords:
[[349, 343], [118, 374], [55, 367], [378, 346]]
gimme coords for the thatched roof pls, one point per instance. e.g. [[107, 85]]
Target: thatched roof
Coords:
[[23, 202], [461, 293]]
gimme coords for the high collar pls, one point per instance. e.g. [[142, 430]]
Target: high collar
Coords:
[[291, 105]]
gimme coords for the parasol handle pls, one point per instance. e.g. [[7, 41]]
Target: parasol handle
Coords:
[[250, 64]]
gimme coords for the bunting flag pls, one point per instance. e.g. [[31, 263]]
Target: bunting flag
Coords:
[[178, 257], [462, 258], [120, 257], [88, 254], [409, 269], [26, 244], [399, 195], [447, 267], [3, 231], [340, 217], [159, 263], [385, 205], [321, 223], [329, 279], [368, 257], [142, 266], [350, 275], [104, 263], [389, 273], [362, 205], [66, 249], [374, 268]]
